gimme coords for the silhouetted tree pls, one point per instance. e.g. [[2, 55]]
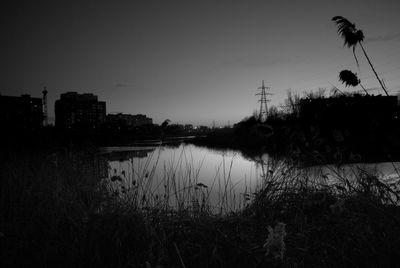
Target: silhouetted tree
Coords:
[[352, 36], [165, 124], [164, 127], [319, 94], [350, 79], [292, 104]]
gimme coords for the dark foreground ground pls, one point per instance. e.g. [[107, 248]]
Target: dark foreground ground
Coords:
[[52, 215]]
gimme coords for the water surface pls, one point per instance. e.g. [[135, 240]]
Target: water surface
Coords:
[[225, 179]]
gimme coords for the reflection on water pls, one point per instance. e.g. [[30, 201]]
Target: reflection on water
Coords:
[[122, 156], [224, 179], [384, 170]]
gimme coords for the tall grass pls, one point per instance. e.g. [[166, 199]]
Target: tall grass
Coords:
[[55, 213], [179, 186], [335, 217]]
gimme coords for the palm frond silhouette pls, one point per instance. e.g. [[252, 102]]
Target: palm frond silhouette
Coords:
[[348, 31], [353, 36], [348, 78]]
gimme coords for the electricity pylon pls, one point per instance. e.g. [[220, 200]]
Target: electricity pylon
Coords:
[[263, 102]]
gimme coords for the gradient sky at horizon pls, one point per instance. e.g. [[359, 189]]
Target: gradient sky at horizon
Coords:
[[191, 61]]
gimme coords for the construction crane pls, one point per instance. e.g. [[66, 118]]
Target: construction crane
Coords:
[[45, 116]]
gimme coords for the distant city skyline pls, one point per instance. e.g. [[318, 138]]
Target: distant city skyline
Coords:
[[191, 62]]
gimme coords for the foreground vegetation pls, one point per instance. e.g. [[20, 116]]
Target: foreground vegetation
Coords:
[[54, 215]]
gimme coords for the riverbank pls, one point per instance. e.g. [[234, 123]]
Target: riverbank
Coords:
[[51, 138], [55, 215], [308, 143]]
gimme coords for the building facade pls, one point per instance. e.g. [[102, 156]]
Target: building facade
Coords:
[[22, 112], [80, 111], [121, 120]]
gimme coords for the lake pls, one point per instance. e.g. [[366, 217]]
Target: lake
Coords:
[[186, 175], [224, 179]]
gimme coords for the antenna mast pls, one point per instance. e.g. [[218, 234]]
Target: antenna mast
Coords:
[[263, 102], [45, 117]]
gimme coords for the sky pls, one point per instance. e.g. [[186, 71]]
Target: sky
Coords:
[[190, 61]]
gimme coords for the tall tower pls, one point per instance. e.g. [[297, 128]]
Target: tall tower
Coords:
[[45, 116], [263, 102]]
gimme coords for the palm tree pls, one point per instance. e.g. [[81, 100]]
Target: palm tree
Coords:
[[350, 79], [352, 36]]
